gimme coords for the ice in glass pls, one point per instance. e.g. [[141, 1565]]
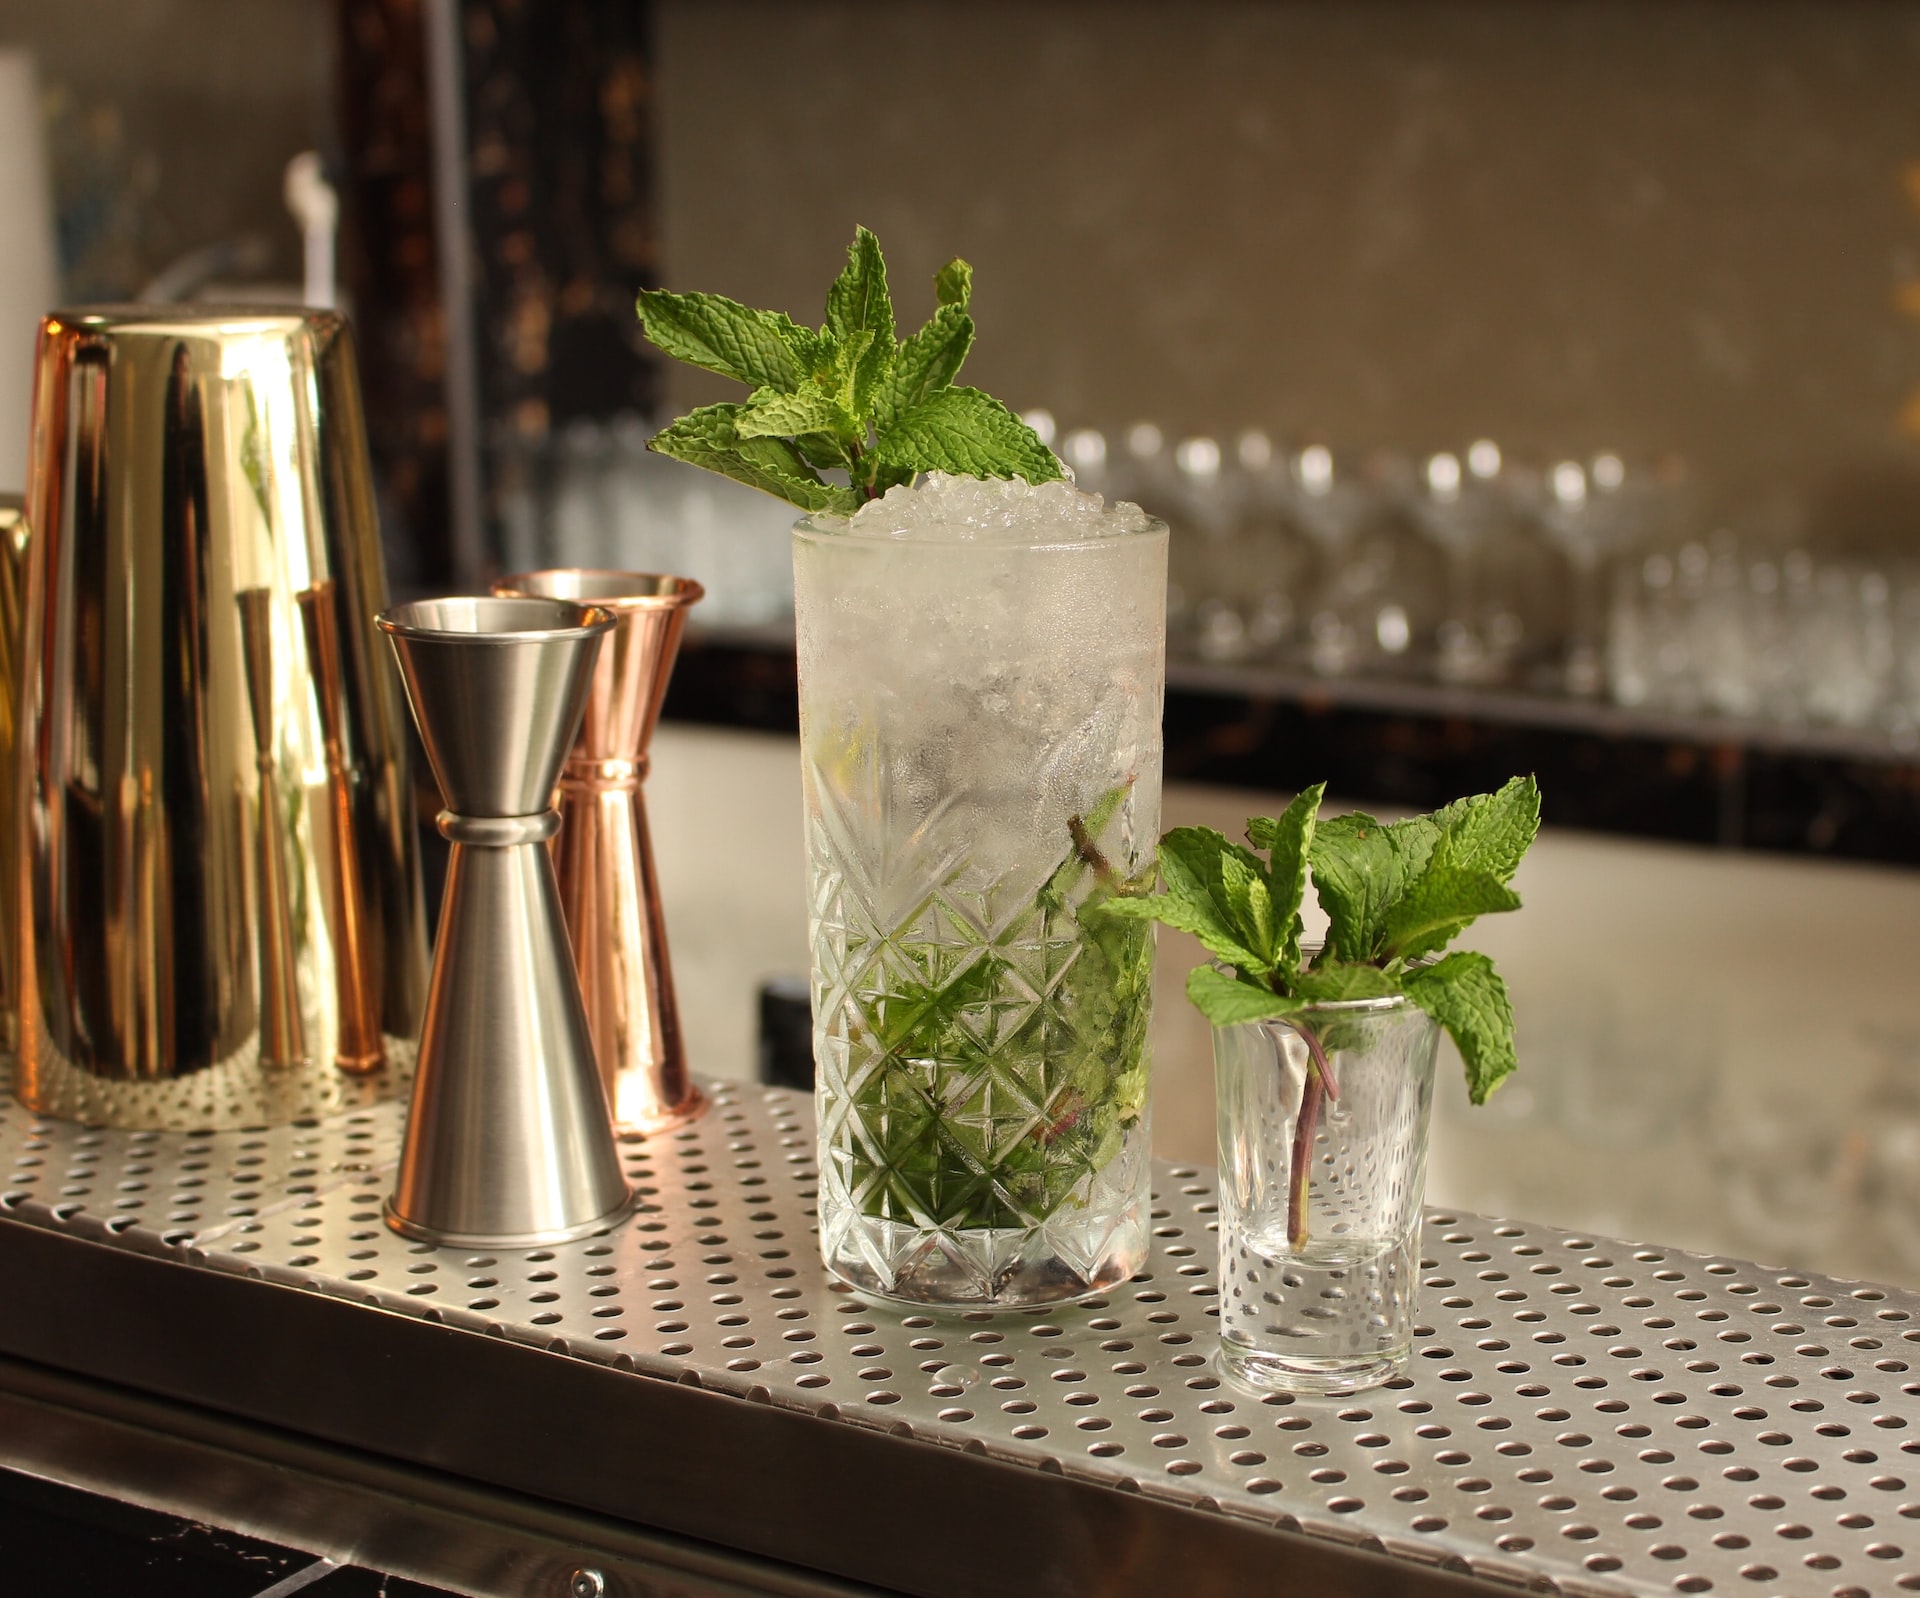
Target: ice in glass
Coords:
[[981, 672]]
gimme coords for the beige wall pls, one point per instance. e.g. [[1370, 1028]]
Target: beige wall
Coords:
[[1571, 226]]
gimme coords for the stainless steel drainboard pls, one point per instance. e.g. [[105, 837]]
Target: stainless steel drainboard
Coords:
[[1583, 1415]]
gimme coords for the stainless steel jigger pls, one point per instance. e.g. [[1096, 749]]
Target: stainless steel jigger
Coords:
[[509, 1139]]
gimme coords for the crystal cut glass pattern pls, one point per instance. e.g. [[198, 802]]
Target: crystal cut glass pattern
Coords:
[[969, 1177], [980, 734]]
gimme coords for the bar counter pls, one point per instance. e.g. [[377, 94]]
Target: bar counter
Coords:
[[686, 1405]]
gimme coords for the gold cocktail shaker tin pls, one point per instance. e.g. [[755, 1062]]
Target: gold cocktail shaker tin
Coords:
[[218, 920]]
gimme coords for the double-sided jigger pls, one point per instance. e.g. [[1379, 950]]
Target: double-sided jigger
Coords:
[[509, 1139], [604, 856]]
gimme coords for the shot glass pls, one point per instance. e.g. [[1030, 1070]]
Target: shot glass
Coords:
[[1323, 1121]]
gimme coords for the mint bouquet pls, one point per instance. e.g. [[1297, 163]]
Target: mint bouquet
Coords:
[[1395, 895], [840, 413]]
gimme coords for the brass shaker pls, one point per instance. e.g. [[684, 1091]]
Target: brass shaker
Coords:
[[358, 1046], [183, 960]]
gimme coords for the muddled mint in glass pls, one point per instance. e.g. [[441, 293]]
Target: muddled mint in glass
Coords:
[[981, 670]]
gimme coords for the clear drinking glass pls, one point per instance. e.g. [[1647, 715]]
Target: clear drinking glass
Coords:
[[980, 733], [1323, 1163]]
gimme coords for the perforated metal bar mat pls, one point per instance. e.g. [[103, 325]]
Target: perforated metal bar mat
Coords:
[[1582, 1416]]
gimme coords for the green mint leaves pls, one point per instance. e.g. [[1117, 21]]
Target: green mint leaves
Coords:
[[846, 399], [1395, 895], [1466, 996]]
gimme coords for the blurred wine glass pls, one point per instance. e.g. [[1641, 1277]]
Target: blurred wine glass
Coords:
[[1467, 513], [1085, 452], [1279, 561], [1204, 555], [1330, 506], [1591, 513]]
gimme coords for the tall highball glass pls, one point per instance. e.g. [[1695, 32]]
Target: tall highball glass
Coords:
[[980, 732]]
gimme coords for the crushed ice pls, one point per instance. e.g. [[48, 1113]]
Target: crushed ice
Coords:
[[996, 510]]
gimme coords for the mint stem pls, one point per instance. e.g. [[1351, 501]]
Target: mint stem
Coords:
[[1319, 1084], [855, 477], [1090, 852]]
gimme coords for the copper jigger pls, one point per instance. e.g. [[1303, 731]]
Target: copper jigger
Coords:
[[604, 856]]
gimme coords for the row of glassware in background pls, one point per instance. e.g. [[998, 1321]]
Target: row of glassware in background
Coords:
[[1277, 556], [1464, 567], [1585, 577], [1709, 626]]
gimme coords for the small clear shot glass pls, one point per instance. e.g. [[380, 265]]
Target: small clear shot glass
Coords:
[[1323, 1125]]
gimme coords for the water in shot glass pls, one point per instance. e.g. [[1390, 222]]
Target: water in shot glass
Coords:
[[1323, 1120]]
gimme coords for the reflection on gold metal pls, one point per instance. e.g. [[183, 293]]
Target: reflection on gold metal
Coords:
[[193, 471], [282, 1039], [359, 1048], [13, 575], [603, 854]]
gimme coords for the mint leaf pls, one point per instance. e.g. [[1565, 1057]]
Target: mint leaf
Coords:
[[1243, 888], [1227, 1002], [765, 349], [1361, 869], [824, 450], [1194, 853], [844, 367], [1197, 898], [1334, 984], [1478, 845], [770, 413], [1287, 841], [1101, 812], [860, 317], [880, 476], [1440, 906], [707, 437], [1192, 862], [964, 431], [953, 284], [927, 362], [858, 300], [1198, 915], [1491, 831], [1466, 996]]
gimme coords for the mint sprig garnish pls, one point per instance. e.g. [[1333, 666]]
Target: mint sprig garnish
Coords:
[[1395, 896], [841, 413]]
